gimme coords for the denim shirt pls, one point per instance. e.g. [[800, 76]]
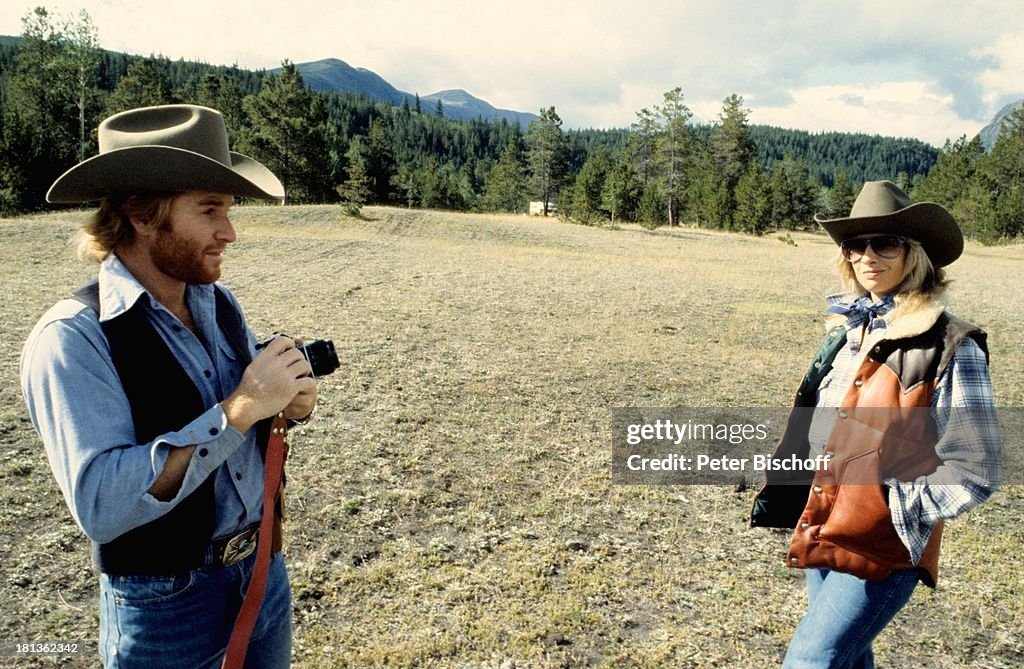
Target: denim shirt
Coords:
[[82, 414]]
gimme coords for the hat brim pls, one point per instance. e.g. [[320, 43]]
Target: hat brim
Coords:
[[163, 169], [925, 222]]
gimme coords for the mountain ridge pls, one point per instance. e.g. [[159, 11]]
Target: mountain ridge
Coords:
[[337, 75], [990, 133], [334, 74]]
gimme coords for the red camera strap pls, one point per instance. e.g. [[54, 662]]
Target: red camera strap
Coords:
[[273, 471]]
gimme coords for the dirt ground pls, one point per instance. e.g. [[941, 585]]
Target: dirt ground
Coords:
[[452, 505]]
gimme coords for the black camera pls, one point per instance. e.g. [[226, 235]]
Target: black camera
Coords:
[[320, 355]]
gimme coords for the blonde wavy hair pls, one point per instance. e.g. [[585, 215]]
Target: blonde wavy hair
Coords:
[[922, 283], [111, 225]]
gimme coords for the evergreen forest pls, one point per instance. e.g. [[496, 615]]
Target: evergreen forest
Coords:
[[57, 84]]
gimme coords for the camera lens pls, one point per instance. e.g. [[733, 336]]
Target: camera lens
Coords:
[[322, 357]]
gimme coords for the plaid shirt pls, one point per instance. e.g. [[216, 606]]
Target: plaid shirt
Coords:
[[968, 436]]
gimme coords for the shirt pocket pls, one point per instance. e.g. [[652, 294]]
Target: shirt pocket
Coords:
[[229, 366]]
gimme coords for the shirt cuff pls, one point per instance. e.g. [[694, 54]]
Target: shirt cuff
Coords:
[[214, 438]]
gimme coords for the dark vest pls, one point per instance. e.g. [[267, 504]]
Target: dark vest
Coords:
[[163, 399]]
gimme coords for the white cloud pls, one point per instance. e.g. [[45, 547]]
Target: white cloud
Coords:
[[1004, 80], [907, 109]]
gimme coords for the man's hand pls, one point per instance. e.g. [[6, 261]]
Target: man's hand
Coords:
[[278, 379], [304, 403]]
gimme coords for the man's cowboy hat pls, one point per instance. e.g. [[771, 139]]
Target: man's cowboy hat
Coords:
[[883, 208], [167, 149]]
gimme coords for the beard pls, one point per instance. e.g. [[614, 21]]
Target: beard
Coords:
[[183, 259]]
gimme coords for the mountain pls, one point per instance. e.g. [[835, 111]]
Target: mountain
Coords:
[[332, 74], [990, 132], [459, 104]]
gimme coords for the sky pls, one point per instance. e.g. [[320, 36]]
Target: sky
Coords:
[[929, 69]]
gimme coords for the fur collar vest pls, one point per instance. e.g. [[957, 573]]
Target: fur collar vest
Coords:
[[909, 319]]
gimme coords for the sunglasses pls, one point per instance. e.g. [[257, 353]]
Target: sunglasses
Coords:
[[884, 246]]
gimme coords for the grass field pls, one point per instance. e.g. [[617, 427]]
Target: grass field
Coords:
[[451, 505]]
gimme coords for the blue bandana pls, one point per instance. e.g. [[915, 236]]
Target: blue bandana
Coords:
[[860, 311]]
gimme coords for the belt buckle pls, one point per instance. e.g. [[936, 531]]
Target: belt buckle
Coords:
[[240, 546]]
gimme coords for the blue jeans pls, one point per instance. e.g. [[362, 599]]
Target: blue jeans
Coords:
[[844, 615], [185, 621]]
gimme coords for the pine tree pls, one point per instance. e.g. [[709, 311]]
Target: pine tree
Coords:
[[641, 145], [709, 202], [443, 187], [662, 148], [731, 146], [1002, 173], [379, 160], [753, 201], [146, 84], [953, 170], [621, 191], [794, 194], [289, 136], [222, 92], [355, 190], [409, 182], [547, 155], [841, 196], [586, 202], [650, 209], [674, 147], [30, 93], [505, 185]]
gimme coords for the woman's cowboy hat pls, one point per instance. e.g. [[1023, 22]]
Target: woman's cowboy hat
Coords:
[[883, 208], [167, 149]]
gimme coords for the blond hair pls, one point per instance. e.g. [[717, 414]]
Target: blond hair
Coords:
[[111, 225], [922, 281]]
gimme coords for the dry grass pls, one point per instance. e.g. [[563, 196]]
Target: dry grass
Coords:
[[451, 506]]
